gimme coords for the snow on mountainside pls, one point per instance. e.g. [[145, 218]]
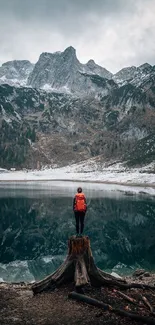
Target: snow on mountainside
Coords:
[[59, 71], [15, 72], [54, 69], [57, 128], [70, 111], [62, 71], [133, 75], [92, 67]]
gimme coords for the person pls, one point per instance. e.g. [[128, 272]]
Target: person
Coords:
[[79, 208]]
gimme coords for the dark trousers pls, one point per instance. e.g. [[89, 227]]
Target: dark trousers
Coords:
[[79, 217]]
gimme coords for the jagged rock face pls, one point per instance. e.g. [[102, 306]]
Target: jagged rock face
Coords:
[[62, 71], [84, 113], [125, 74], [143, 150], [145, 68], [147, 84], [92, 67], [129, 96], [57, 128], [134, 75], [54, 70], [59, 71], [15, 72]]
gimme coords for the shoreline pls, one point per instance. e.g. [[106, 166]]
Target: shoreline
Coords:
[[79, 180], [88, 172]]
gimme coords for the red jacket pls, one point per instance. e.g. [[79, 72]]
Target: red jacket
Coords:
[[79, 202]]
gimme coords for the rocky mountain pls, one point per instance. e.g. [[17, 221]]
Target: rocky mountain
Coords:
[[92, 67], [62, 71], [85, 113], [15, 72], [134, 75], [59, 71], [58, 129]]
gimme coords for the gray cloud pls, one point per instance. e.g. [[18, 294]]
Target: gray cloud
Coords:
[[60, 8], [64, 15], [115, 33]]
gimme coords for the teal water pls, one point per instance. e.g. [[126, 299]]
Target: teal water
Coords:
[[36, 220]]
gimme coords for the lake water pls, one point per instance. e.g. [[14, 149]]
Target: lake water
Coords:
[[36, 220]]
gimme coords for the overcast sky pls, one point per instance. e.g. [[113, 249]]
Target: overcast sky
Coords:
[[115, 33]]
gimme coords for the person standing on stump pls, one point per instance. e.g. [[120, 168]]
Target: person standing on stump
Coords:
[[79, 208]]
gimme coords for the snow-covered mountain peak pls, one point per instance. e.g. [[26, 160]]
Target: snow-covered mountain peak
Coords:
[[125, 73], [17, 63], [15, 72], [55, 70], [134, 75], [63, 71]]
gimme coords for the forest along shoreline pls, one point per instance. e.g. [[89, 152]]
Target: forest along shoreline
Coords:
[[19, 306]]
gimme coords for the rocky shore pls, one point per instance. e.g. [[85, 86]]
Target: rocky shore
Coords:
[[19, 306]]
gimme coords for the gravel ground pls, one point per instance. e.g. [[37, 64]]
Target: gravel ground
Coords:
[[19, 307]]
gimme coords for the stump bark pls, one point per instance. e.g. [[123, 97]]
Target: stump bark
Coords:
[[78, 267]]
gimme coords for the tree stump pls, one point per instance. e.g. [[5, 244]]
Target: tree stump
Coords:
[[78, 267]]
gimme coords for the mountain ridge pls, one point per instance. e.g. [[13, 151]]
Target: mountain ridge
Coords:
[[62, 71], [77, 115]]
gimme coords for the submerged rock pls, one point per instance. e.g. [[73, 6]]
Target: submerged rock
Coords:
[[138, 272], [116, 275]]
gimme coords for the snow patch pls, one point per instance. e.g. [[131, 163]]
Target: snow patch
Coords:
[[115, 174], [48, 87]]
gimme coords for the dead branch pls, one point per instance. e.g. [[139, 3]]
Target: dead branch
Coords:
[[106, 307], [146, 302], [132, 300]]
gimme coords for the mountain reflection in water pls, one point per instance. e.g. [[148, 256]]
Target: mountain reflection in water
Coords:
[[37, 219]]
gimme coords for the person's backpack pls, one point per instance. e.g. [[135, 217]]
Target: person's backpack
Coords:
[[80, 202]]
